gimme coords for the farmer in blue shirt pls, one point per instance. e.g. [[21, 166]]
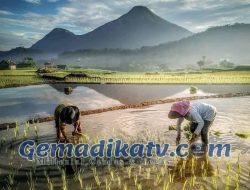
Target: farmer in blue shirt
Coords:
[[200, 114]]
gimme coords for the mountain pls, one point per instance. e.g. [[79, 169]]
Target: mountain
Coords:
[[139, 27], [230, 42], [58, 40], [20, 53]]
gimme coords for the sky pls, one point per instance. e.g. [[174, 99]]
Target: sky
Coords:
[[23, 22]]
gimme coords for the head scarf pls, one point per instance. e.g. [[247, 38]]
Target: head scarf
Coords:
[[181, 108]]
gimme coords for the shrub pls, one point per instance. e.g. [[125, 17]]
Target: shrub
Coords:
[[193, 89]]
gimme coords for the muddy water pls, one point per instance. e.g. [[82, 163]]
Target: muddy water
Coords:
[[23, 103], [141, 125]]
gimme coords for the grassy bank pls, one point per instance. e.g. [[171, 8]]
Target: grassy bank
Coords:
[[12, 78], [9, 78]]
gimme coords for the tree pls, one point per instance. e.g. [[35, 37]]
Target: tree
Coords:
[[226, 64], [202, 62], [27, 62], [7, 64], [163, 67]]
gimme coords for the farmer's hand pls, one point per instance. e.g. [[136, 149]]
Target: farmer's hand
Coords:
[[178, 138], [194, 137], [63, 140], [76, 133]]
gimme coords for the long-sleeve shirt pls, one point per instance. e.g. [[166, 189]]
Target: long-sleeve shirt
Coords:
[[197, 113]]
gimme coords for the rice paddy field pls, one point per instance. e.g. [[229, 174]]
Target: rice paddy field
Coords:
[[140, 125], [28, 77], [177, 78]]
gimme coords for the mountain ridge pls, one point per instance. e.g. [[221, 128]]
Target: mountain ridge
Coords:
[[136, 28], [230, 42]]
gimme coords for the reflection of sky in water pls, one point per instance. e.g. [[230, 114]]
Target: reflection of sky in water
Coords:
[[18, 104]]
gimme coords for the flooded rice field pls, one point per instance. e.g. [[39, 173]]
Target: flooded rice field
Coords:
[[130, 125], [41, 100], [138, 125]]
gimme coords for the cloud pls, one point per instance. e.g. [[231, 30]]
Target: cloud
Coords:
[[33, 1], [84, 16], [53, 1], [5, 13], [87, 15], [10, 40]]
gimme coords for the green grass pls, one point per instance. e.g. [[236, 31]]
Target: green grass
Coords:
[[10, 78], [23, 72]]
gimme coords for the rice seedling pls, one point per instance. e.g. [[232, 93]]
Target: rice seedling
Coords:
[[172, 127], [243, 135], [112, 177], [148, 173], [119, 181], [107, 184], [125, 187], [78, 176], [157, 180], [64, 180], [135, 179], [193, 180], [166, 185], [214, 182], [36, 131], [49, 182], [129, 171], [88, 187], [96, 177], [139, 186], [184, 185], [11, 179], [31, 181]]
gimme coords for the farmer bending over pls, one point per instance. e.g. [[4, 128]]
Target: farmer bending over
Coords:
[[67, 114], [201, 116]]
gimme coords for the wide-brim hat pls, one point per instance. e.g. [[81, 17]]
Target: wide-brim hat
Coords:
[[69, 114]]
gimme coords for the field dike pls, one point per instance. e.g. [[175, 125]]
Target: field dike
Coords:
[[5, 126]]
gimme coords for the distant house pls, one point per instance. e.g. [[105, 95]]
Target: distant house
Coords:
[[12, 66], [7, 65], [48, 65], [63, 67]]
